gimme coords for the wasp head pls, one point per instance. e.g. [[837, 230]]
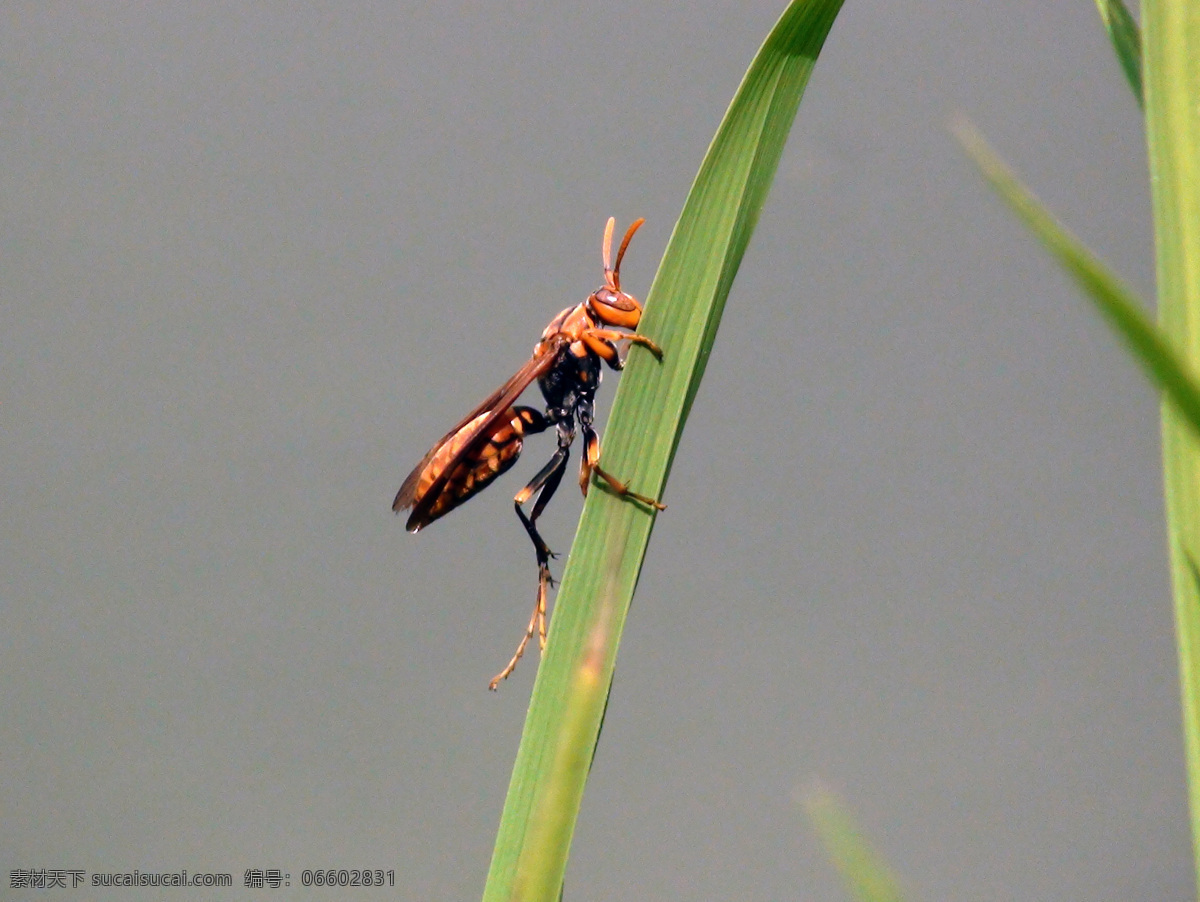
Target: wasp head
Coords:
[[609, 303]]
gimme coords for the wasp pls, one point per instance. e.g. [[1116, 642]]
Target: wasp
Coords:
[[566, 364]]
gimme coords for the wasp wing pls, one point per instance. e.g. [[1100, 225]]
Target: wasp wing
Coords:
[[494, 406]]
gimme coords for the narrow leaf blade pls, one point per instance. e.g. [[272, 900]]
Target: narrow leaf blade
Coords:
[[1116, 302], [867, 877], [683, 309], [1126, 39]]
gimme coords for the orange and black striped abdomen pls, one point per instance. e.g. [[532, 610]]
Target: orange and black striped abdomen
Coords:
[[473, 472]]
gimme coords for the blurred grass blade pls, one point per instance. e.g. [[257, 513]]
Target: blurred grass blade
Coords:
[[1177, 233], [866, 876], [1126, 40], [683, 309], [1171, 48], [1193, 572], [1115, 301]]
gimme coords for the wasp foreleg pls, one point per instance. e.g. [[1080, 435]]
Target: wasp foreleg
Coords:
[[602, 342]]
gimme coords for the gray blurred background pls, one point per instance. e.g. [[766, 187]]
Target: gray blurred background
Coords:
[[258, 257]]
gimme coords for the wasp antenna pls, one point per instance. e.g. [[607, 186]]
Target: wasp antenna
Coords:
[[607, 249], [637, 224]]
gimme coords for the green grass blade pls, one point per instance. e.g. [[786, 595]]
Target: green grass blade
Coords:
[[1155, 348], [867, 877], [1171, 43], [1115, 301], [1171, 352], [683, 309], [1126, 40]]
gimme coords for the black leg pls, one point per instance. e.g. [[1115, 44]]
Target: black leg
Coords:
[[544, 484]]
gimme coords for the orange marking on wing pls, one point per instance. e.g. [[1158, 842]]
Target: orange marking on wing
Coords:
[[425, 484]]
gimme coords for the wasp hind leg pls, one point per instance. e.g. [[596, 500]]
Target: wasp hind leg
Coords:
[[543, 485]]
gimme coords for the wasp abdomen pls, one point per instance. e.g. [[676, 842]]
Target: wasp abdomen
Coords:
[[474, 471]]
